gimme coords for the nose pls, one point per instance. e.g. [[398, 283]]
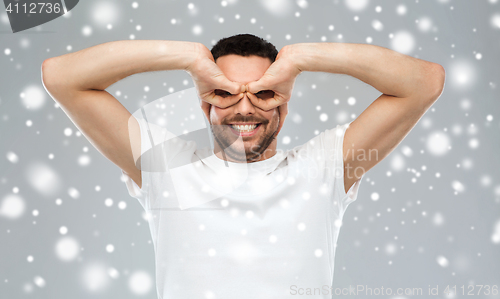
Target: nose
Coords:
[[244, 106]]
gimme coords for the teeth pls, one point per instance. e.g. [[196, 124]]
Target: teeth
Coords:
[[245, 128]]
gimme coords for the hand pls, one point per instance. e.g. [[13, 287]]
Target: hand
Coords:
[[210, 82], [275, 85], [263, 95]]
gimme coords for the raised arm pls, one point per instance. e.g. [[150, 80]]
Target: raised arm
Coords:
[[76, 81], [100, 66], [409, 85]]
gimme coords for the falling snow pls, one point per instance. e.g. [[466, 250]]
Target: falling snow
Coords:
[[33, 97], [140, 282], [433, 201]]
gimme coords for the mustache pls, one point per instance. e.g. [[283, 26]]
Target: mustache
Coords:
[[246, 120]]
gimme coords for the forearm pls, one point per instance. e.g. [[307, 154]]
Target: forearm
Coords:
[[388, 71], [102, 65]]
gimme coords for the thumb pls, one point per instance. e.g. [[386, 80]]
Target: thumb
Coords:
[[262, 84], [230, 86]]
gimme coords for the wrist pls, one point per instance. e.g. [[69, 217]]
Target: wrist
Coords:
[[303, 56], [294, 55], [197, 52], [176, 55]]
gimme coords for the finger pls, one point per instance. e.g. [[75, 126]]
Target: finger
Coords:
[[264, 83], [267, 104], [232, 87], [224, 102], [255, 100]]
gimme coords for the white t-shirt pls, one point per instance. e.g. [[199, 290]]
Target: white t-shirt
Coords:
[[229, 230]]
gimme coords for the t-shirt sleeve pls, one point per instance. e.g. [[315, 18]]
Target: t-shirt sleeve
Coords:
[[134, 190], [158, 147], [326, 150], [336, 137], [147, 142]]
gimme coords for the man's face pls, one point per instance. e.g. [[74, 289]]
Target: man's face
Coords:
[[256, 141]]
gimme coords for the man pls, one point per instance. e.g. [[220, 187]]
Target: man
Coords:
[[270, 222]]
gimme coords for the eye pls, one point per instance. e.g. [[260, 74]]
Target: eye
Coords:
[[222, 93], [265, 94]]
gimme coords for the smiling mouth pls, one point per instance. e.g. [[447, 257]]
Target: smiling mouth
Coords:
[[245, 130]]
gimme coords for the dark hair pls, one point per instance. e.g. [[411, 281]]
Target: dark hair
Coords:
[[244, 45]]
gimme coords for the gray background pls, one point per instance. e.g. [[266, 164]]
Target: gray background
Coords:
[[433, 224]]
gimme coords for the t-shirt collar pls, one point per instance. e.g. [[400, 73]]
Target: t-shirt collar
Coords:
[[267, 165]]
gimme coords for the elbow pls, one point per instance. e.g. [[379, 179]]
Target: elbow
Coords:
[[435, 79], [438, 78], [51, 78], [47, 76]]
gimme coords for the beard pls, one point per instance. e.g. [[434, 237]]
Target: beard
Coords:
[[238, 149]]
